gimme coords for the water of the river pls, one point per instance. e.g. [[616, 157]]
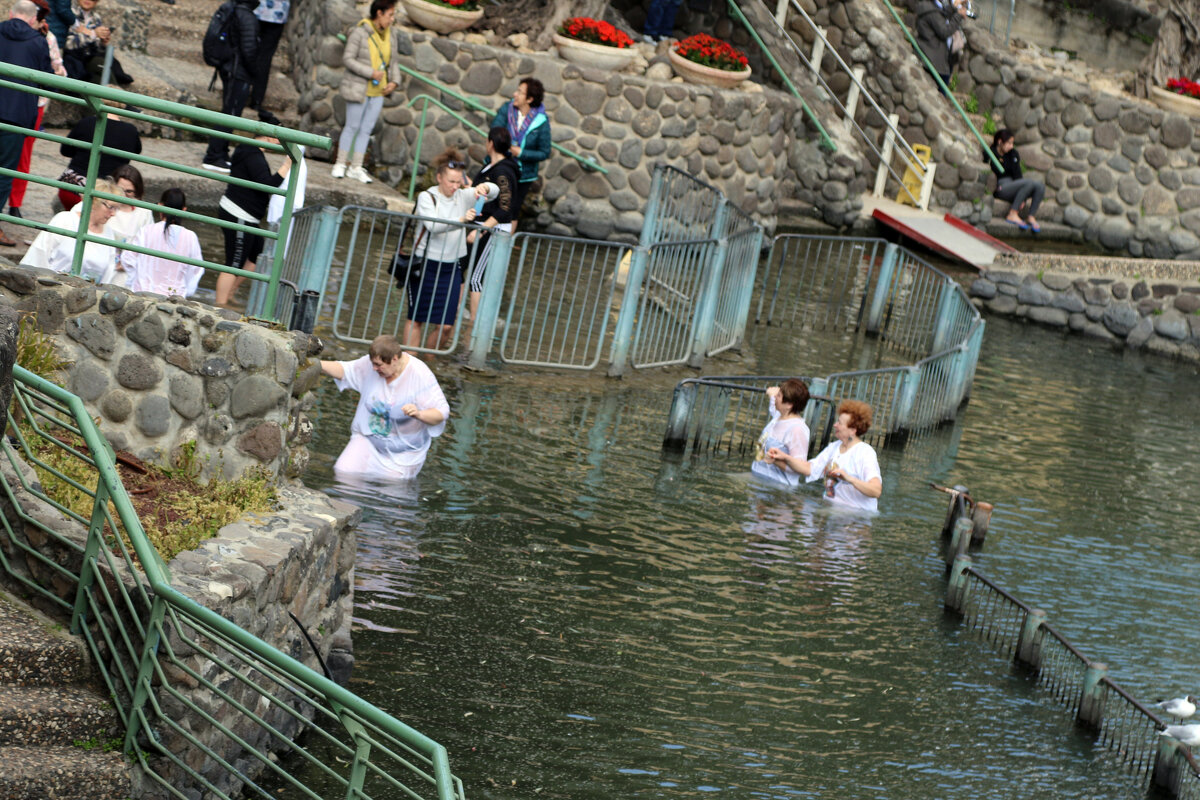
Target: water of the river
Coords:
[[574, 617]]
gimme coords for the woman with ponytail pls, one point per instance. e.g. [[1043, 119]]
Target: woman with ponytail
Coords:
[[160, 274]]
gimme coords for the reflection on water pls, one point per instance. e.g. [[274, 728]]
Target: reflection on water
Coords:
[[575, 617]]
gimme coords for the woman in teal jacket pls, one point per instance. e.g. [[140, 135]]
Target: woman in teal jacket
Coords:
[[525, 118]]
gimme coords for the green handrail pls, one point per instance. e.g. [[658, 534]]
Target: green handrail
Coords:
[[826, 142], [942, 85], [104, 100], [171, 614]]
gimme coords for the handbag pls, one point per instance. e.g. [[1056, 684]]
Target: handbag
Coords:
[[406, 267]]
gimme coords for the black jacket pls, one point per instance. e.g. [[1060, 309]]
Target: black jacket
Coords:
[[1010, 161], [21, 46], [935, 25], [505, 174], [244, 37], [249, 163], [118, 134]]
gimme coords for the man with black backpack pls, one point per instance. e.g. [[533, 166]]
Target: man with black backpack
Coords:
[[231, 46]]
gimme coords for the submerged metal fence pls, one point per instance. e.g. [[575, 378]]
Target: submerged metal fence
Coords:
[[680, 295], [207, 708], [863, 286], [1122, 724]]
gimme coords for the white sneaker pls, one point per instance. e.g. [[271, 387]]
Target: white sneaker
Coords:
[[338, 171], [360, 174]]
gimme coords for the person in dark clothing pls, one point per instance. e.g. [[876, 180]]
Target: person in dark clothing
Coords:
[[504, 171], [529, 126], [22, 45], [60, 19], [272, 16], [1012, 186], [937, 20], [237, 79], [246, 206], [118, 134]]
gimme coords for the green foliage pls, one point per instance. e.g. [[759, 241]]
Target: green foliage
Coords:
[[971, 104], [35, 350], [187, 465], [989, 124], [97, 743], [953, 85]]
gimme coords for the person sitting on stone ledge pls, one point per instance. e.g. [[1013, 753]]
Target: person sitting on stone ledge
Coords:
[[1011, 186]]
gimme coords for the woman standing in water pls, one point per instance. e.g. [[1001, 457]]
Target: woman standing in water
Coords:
[[848, 465], [786, 432]]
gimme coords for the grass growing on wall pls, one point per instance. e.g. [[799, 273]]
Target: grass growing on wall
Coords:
[[175, 508]]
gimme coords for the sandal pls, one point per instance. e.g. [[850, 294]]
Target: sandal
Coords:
[[1020, 225]]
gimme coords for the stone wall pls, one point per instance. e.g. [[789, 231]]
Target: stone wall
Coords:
[[159, 373], [1159, 313], [754, 144]]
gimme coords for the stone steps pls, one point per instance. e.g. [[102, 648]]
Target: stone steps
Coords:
[[57, 734]]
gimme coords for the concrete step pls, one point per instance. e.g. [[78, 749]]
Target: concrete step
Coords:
[[44, 715], [37, 651], [63, 773]]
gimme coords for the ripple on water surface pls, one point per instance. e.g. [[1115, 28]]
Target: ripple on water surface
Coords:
[[566, 610]]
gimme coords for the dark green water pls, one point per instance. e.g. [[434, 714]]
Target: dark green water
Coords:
[[574, 617]]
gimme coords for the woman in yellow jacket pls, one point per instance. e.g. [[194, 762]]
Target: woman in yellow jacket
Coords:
[[372, 73]]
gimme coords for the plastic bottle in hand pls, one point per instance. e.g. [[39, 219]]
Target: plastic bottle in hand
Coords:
[[830, 481]]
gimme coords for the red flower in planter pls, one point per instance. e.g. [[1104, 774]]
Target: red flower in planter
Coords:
[[704, 49], [1184, 86], [594, 31]]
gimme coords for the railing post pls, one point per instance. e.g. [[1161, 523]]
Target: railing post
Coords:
[[1091, 700], [746, 291], [885, 155], [902, 417], [145, 677], [91, 551], [1170, 765], [981, 519], [957, 588], [682, 400], [956, 509], [883, 288], [622, 344], [945, 317], [483, 328], [781, 9], [818, 51], [960, 541], [93, 172], [318, 251], [853, 95], [412, 179], [706, 308], [926, 186], [1029, 643]]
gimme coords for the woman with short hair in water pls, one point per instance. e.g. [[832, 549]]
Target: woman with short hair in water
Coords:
[[848, 465], [786, 432]]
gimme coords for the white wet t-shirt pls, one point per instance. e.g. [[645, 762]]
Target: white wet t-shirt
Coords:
[[859, 462], [788, 435]]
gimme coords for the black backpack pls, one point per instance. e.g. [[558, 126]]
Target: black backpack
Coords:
[[218, 49]]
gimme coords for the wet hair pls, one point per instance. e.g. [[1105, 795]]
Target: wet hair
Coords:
[[794, 392], [534, 91], [451, 158], [172, 198], [860, 415], [385, 348], [380, 6], [1002, 136], [501, 140], [131, 174]]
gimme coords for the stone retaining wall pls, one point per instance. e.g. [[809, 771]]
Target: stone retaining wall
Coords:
[[159, 373], [1158, 316], [751, 143]]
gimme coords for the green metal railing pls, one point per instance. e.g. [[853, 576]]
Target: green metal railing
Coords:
[[207, 708], [987, 149], [102, 101]]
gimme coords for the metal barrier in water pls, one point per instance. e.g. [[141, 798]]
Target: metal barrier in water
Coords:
[[865, 286], [1021, 633], [683, 293]]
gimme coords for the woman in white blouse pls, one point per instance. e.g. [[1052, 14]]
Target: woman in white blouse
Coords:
[[55, 251], [159, 274], [433, 298]]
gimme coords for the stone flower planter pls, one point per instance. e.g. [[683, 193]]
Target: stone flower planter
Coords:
[[1173, 101], [586, 54], [708, 76], [439, 18]]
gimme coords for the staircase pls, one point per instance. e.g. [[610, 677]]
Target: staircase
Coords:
[[59, 738]]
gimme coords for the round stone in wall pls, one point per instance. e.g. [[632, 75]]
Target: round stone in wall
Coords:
[[138, 371], [251, 350], [117, 406], [89, 380], [148, 331], [153, 416], [187, 395]]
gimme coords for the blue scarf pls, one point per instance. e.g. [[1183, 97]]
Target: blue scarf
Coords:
[[518, 131]]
